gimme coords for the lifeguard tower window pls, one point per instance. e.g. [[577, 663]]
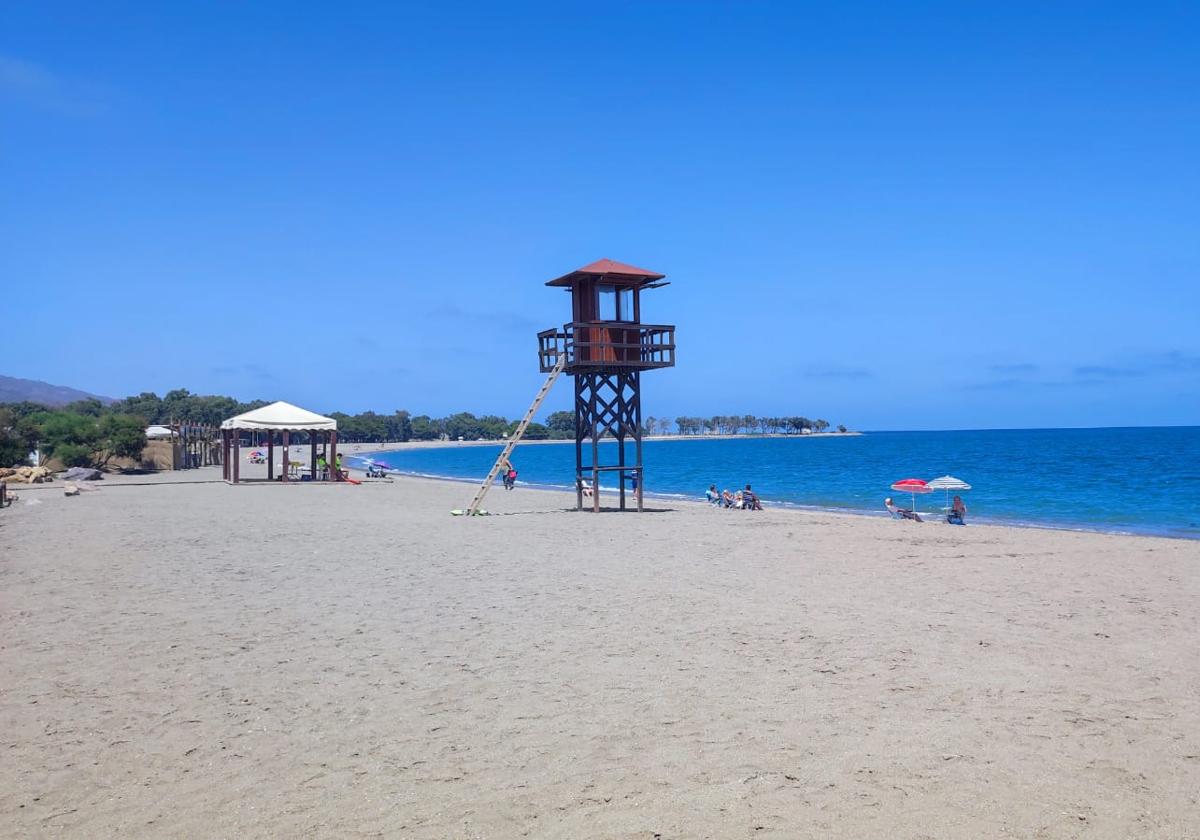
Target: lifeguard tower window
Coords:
[[614, 304], [625, 305], [607, 309]]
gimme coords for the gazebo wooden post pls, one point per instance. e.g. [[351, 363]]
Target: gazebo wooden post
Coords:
[[237, 458], [332, 459], [225, 453], [312, 458], [287, 457], [271, 456]]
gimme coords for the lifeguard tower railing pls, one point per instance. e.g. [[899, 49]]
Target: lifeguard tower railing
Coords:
[[608, 344]]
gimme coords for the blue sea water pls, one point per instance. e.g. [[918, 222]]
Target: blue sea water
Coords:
[[1140, 480]]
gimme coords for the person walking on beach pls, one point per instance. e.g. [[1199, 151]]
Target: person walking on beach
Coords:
[[510, 477]]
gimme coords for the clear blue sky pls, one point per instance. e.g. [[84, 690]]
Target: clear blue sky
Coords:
[[889, 215]]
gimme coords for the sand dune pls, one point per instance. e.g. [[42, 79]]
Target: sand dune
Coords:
[[202, 660]]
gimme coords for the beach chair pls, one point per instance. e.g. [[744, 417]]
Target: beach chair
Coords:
[[902, 513]]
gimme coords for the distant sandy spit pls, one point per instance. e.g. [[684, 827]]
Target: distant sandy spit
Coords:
[[443, 444], [202, 660]]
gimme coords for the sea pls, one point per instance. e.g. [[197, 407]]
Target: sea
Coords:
[[1125, 480]]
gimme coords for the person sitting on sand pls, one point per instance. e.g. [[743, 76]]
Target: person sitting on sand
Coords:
[[900, 512], [714, 498], [586, 486], [727, 498], [749, 500], [375, 470], [958, 512]]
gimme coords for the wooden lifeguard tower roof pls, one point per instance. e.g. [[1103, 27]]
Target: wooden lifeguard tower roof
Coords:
[[611, 271]]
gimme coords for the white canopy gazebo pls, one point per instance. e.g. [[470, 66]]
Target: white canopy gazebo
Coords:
[[279, 417]]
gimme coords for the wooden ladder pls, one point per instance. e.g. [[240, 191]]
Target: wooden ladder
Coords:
[[517, 434]]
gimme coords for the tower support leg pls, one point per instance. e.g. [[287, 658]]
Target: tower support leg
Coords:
[[608, 404]]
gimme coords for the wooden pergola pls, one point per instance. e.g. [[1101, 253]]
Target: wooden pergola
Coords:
[[279, 418]]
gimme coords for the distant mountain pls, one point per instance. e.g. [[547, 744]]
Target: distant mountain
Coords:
[[13, 389]]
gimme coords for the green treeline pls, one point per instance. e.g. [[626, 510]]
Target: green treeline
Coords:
[[89, 433], [81, 435], [735, 424]]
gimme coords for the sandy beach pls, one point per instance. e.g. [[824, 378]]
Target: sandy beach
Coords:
[[200, 660]]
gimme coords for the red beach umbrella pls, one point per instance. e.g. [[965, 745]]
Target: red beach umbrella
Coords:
[[914, 486]]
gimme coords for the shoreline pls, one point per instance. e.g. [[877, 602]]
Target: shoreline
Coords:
[[211, 475], [795, 507]]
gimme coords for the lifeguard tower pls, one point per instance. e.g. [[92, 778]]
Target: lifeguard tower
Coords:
[[605, 347]]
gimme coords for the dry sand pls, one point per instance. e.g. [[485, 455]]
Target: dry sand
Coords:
[[199, 660]]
